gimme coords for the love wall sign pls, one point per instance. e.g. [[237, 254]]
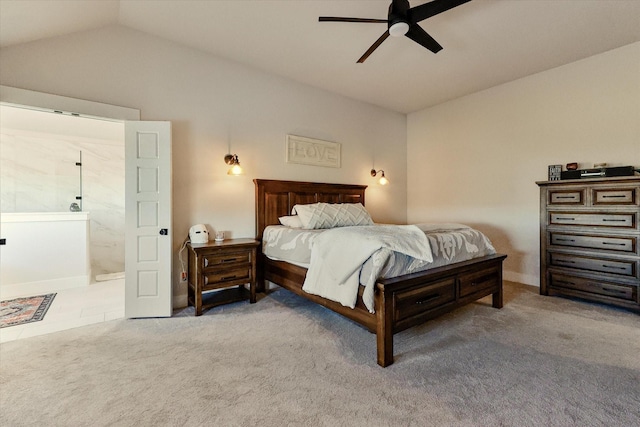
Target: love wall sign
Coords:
[[308, 151]]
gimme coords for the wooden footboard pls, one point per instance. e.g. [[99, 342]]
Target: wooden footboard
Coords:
[[412, 299], [408, 300], [400, 302]]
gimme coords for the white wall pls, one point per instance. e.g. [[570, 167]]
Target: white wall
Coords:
[[212, 104], [476, 159]]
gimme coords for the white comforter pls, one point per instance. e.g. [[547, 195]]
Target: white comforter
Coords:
[[338, 254]]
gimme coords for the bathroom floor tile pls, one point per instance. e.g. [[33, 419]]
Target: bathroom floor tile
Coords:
[[75, 307]]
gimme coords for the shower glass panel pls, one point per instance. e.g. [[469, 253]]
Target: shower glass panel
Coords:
[[39, 175]]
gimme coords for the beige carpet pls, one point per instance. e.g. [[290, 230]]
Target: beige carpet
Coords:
[[540, 361]]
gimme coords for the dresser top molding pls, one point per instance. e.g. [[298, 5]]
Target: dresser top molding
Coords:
[[607, 180]]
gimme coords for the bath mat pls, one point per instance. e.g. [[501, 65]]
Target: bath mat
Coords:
[[24, 310]]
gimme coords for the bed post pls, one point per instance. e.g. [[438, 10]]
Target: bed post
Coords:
[[384, 325], [496, 297]]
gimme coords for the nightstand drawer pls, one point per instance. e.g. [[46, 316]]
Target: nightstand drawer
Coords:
[[479, 281], [227, 258], [227, 275]]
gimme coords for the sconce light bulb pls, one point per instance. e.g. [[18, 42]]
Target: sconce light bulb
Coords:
[[235, 170], [383, 180]]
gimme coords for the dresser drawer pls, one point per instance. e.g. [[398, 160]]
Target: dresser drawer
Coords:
[[216, 260], [626, 244], [566, 197], [619, 267], [227, 275], [625, 292], [415, 301], [479, 281], [616, 196], [616, 220]]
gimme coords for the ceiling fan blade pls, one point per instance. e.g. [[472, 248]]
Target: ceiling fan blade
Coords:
[[373, 47], [339, 19], [420, 36], [427, 10]]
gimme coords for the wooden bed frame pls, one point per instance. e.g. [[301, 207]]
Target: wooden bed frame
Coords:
[[400, 302]]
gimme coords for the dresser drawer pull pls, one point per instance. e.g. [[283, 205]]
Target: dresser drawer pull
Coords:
[[229, 277], [566, 219], [427, 299], [614, 267], [614, 244], [566, 240], [566, 197], [229, 260], [613, 220], [618, 291], [616, 196]]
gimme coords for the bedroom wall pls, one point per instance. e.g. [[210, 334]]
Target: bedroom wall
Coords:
[[476, 159], [215, 104]]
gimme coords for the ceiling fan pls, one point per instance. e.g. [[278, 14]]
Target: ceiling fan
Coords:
[[403, 21]]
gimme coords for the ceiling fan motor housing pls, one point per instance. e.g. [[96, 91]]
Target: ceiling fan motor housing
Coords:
[[397, 20]]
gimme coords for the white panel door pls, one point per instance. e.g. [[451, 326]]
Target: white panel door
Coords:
[[148, 273]]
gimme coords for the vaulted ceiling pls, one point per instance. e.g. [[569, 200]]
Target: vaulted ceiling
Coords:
[[486, 42]]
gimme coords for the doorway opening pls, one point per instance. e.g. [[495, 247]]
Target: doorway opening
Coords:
[[55, 162]]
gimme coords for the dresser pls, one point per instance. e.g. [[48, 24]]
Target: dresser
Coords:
[[589, 240], [219, 271]]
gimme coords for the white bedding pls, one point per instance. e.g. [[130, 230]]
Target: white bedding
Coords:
[[337, 257], [448, 243]]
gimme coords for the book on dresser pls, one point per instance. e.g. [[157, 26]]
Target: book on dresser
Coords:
[[589, 240]]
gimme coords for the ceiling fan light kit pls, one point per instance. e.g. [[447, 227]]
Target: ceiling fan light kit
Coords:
[[402, 20], [398, 29]]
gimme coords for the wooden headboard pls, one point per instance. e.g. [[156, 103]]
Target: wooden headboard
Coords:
[[276, 198]]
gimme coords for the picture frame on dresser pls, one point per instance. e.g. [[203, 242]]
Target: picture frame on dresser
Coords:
[[590, 240]]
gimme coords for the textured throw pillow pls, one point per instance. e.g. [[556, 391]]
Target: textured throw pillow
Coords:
[[329, 215], [292, 221]]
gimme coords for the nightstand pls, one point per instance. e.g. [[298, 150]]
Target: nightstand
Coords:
[[218, 272]]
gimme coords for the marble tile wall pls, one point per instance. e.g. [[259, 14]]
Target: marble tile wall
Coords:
[[38, 173]]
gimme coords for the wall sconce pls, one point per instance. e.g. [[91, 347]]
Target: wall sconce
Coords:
[[232, 160], [383, 179]]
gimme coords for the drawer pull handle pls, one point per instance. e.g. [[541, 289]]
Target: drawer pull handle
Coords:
[[566, 219], [229, 277], [566, 240], [565, 282], [229, 260], [566, 197], [614, 244], [616, 196], [427, 299], [617, 291], [615, 267], [613, 220]]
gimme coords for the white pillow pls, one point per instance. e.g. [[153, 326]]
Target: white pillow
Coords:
[[292, 221], [329, 215]]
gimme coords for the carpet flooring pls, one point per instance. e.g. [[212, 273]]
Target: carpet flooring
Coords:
[[539, 361]]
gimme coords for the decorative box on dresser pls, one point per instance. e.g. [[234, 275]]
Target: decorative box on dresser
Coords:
[[589, 240], [216, 266]]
